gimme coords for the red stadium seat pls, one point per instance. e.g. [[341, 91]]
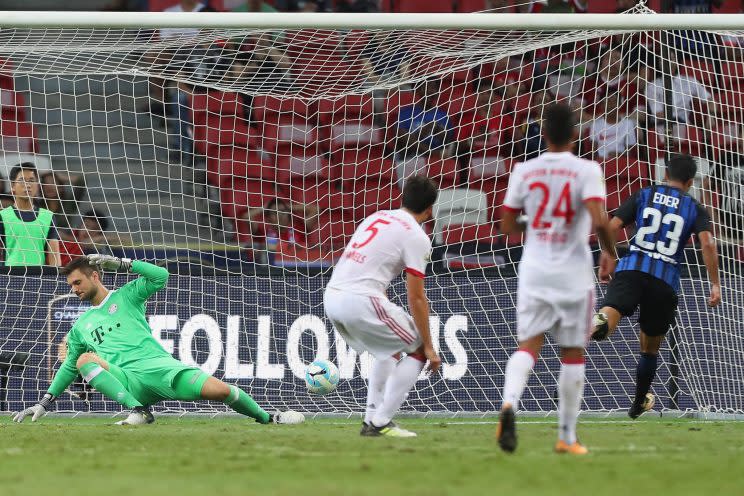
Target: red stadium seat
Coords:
[[373, 194], [444, 172], [357, 163], [467, 233], [231, 162], [239, 194], [301, 165], [333, 230], [444, 6], [18, 137]]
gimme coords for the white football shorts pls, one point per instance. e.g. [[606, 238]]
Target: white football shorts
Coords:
[[568, 319], [371, 323]]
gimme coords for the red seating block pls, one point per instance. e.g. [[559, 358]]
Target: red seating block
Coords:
[[333, 230], [239, 194], [444, 172]]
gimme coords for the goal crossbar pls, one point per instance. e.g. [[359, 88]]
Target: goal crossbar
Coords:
[[487, 21]]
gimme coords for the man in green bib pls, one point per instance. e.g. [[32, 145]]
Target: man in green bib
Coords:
[[112, 347], [27, 234]]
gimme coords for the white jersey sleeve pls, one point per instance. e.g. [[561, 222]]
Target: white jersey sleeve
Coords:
[[515, 195], [416, 255], [593, 185]]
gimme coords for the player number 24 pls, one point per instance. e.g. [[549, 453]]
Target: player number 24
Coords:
[[373, 230], [562, 206], [665, 247]]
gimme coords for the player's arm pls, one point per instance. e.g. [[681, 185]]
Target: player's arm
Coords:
[[61, 381], [416, 255], [419, 305], [153, 278], [704, 230], [593, 195], [606, 235], [511, 219]]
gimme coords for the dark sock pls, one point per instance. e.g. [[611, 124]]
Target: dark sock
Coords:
[[645, 372]]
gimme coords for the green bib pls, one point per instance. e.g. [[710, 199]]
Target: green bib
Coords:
[[25, 242]]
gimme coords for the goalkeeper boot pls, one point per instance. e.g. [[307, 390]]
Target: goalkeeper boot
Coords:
[[506, 432], [637, 409], [388, 430], [140, 415], [576, 448], [601, 327], [289, 417]]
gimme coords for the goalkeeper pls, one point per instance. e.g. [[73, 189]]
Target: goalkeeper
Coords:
[[112, 347]]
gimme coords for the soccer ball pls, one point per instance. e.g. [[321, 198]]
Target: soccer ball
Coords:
[[321, 377]]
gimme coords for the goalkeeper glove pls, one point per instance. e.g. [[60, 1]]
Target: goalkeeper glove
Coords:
[[108, 262], [37, 411]]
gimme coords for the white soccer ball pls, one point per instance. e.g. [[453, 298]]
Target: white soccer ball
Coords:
[[321, 377]]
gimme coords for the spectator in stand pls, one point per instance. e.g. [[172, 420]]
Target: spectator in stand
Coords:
[[611, 76], [688, 94], [175, 95], [624, 5], [614, 132], [500, 6], [557, 6], [423, 128], [254, 6], [282, 221], [385, 58], [261, 65], [89, 238], [361, 6], [28, 236], [487, 128]]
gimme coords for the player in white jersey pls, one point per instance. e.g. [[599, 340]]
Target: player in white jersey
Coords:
[[385, 244], [562, 197]]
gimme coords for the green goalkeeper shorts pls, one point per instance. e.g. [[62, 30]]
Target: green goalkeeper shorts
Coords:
[[160, 379]]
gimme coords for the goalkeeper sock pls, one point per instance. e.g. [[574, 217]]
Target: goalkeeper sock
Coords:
[[570, 391], [518, 370], [378, 376], [401, 381], [241, 402], [105, 383], [645, 372]]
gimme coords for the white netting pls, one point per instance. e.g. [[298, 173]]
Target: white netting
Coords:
[[243, 159]]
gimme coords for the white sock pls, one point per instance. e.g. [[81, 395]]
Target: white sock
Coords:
[[378, 376], [398, 385], [518, 370], [570, 391]]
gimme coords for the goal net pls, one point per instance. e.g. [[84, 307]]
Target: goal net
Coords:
[[242, 160]]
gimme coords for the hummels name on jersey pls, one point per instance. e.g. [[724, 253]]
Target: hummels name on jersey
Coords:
[[355, 256]]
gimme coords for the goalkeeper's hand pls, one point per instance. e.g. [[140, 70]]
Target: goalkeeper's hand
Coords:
[[108, 262], [37, 411]]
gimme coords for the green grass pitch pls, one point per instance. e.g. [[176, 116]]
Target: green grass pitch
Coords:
[[230, 456]]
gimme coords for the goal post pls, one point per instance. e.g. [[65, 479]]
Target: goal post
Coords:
[[241, 150]]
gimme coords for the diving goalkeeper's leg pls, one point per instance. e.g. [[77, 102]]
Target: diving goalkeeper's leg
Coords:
[[195, 384], [95, 371]]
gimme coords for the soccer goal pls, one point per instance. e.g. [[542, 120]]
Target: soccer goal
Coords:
[[240, 150]]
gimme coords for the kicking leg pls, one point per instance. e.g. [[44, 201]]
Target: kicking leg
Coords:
[[605, 322], [570, 392], [399, 384], [518, 370], [215, 390], [95, 371], [645, 373]]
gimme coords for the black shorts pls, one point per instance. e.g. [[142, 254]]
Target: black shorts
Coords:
[[657, 300]]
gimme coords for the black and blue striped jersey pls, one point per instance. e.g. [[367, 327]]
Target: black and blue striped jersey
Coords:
[[665, 218]]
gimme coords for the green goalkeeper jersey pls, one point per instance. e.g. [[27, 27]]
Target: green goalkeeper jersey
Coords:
[[116, 329]]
